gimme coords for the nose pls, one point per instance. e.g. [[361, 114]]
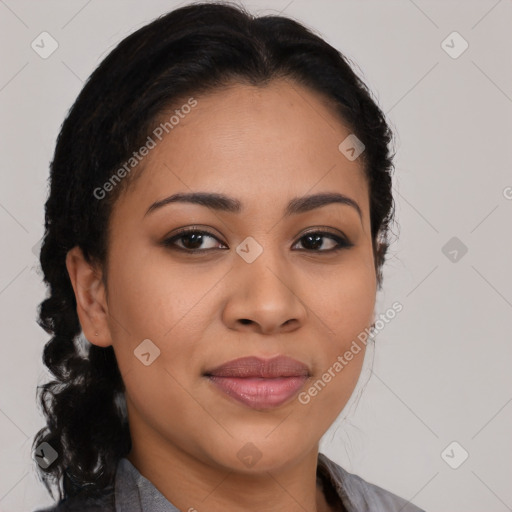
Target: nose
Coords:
[[264, 296]]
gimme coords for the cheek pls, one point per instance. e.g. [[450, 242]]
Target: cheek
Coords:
[[156, 396], [156, 300], [345, 307], [153, 296], [344, 299]]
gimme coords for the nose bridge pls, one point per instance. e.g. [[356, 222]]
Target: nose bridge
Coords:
[[261, 263]]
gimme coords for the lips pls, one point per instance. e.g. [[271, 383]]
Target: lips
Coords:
[[260, 383], [279, 366]]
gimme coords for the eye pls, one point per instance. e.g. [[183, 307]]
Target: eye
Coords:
[[191, 240], [315, 239]]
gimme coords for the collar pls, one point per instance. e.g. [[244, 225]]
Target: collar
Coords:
[[135, 493]]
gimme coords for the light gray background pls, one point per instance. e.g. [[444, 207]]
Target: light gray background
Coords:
[[442, 366]]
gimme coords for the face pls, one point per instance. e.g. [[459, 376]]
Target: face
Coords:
[[262, 281]]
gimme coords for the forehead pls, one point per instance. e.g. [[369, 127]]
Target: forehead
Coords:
[[260, 144]]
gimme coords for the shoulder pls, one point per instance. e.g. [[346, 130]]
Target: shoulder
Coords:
[[362, 496], [99, 502]]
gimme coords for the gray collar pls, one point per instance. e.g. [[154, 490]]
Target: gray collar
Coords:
[[135, 493]]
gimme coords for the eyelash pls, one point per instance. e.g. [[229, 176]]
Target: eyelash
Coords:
[[342, 243]]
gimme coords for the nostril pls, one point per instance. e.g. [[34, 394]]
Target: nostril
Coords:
[[245, 321]]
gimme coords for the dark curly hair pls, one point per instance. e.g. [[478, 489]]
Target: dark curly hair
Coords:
[[191, 50]]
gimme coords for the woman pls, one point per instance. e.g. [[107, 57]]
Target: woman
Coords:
[[216, 228]]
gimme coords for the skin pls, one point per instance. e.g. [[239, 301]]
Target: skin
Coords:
[[262, 146]]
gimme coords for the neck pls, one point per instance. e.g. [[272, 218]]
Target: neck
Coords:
[[193, 485]]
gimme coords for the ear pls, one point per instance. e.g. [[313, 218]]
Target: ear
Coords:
[[91, 304]]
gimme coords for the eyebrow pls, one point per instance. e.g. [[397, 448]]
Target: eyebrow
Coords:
[[228, 204]]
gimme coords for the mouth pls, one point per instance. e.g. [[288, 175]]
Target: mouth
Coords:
[[260, 383]]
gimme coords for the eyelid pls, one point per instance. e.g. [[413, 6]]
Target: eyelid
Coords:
[[169, 240], [193, 228], [326, 230]]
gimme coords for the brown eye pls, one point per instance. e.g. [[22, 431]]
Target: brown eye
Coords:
[[191, 240], [315, 240]]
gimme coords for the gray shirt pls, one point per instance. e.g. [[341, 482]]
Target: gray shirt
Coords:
[[135, 493]]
